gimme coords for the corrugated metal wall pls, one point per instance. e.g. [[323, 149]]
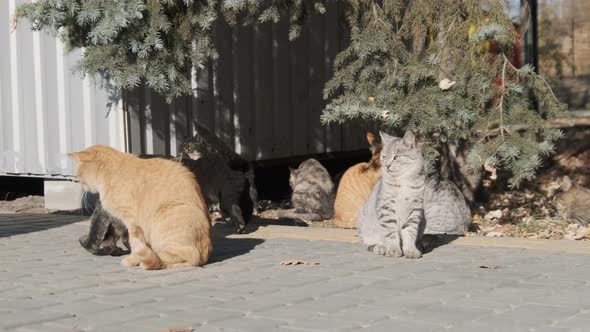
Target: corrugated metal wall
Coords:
[[46, 110], [263, 96]]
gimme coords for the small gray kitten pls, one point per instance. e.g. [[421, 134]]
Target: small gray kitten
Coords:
[[313, 192], [104, 233], [392, 221]]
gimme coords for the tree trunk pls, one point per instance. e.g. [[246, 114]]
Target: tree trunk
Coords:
[[453, 166]]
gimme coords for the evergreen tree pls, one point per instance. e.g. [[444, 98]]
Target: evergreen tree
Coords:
[[441, 69], [154, 41], [437, 67]]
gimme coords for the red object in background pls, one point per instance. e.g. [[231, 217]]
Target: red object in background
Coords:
[[516, 58]]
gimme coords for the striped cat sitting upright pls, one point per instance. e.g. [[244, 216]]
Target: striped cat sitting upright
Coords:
[[404, 204], [392, 221], [313, 195]]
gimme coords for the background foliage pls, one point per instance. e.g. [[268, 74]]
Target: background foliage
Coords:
[[437, 67], [156, 41], [399, 53]]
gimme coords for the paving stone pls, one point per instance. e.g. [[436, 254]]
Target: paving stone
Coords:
[[18, 319], [575, 321], [400, 324], [49, 283], [248, 324]]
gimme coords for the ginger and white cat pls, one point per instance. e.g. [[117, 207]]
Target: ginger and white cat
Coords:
[[158, 200], [355, 187]]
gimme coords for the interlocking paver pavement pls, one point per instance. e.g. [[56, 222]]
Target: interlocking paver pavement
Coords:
[[49, 283]]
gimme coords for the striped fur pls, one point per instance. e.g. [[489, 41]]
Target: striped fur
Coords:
[[573, 202], [445, 209], [392, 221], [313, 192]]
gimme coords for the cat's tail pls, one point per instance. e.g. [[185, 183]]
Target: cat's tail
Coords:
[[148, 259], [252, 185], [302, 216]]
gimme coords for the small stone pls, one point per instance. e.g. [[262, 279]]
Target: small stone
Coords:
[[446, 84], [494, 215], [494, 234], [576, 232], [505, 212]]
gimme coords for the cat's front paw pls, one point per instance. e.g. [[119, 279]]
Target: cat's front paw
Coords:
[[379, 249], [394, 252], [412, 253], [83, 241], [130, 261]]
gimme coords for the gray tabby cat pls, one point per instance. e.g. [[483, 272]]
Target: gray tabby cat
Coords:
[[104, 233], [313, 192], [392, 221], [573, 202], [445, 209]]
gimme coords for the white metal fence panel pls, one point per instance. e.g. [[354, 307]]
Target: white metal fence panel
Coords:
[[47, 110]]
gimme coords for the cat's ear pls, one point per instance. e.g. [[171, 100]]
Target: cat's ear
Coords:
[[81, 156], [566, 183], [370, 137], [409, 139], [385, 137]]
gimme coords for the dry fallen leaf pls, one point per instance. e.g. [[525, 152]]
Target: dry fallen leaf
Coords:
[[491, 169], [298, 262], [493, 267]]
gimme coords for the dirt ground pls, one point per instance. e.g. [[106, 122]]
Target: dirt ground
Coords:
[[28, 204], [530, 211]]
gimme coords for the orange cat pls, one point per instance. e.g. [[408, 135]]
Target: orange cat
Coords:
[[355, 187], [158, 200]]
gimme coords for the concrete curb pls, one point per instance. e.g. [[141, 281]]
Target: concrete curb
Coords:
[[350, 236]]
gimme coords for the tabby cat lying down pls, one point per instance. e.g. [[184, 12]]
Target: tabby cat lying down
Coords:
[[168, 227]]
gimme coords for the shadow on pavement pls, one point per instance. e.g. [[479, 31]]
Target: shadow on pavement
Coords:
[[224, 247], [16, 224], [257, 222], [431, 241]]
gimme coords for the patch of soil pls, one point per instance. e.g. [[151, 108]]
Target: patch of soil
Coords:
[[530, 211], [273, 214], [28, 204]]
